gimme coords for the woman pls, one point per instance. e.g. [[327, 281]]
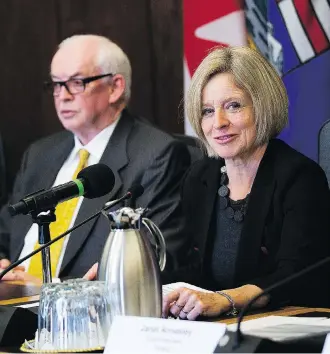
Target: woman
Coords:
[[257, 210]]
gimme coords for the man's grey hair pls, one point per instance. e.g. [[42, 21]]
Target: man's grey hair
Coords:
[[110, 58]]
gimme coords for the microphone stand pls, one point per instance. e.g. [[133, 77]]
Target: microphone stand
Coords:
[[47, 244], [43, 221]]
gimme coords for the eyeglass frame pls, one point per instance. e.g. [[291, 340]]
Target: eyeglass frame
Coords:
[[85, 81]]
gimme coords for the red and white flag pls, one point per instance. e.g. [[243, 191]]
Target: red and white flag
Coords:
[[308, 25], [207, 24]]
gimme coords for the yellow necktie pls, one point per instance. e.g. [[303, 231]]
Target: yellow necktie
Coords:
[[64, 213]]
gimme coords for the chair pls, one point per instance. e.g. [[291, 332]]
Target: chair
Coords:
[[3, 190], [194, 146], [324, 148]]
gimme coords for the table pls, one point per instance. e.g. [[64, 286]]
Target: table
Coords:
[[16, 292], [12, 293], [286, 311]]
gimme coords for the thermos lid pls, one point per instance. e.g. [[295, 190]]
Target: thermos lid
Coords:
[[125, 218]]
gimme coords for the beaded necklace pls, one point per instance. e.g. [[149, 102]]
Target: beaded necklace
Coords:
[[233, 209]]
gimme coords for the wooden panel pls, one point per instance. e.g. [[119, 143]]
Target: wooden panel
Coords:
[[167, 61], [149, 31], [28, 40], [124, 22]]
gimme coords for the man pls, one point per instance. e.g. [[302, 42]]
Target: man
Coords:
[[90, 81]]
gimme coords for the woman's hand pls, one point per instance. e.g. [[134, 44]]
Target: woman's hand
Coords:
[[189, 304]]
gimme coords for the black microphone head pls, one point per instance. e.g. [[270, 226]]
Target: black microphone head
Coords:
[[17, 208], [136, 190], [98, 180]]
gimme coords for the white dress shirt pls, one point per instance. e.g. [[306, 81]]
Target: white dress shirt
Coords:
[[95, 148]]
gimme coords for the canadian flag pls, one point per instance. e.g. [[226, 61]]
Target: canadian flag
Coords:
[[207, 24]]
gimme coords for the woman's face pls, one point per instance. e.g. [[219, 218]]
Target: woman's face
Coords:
[[227, 118]]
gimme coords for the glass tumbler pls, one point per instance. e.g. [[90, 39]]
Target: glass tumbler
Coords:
[[72, 315]]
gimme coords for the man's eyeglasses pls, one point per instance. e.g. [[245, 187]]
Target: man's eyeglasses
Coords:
[[73, 86]]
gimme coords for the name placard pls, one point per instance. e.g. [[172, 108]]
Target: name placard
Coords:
[[130, 334]]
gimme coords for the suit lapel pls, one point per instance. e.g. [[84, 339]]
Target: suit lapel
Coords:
[[206, 195], [50, 164], [115, 157], [255, 219]]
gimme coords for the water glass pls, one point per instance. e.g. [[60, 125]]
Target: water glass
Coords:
[[72, 315]]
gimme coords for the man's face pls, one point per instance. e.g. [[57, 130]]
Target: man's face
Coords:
[[82, 112]]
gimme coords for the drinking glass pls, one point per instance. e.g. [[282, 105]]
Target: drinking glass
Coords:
[[72, 315]]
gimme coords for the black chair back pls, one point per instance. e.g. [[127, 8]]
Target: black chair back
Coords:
[[194, 146], [3, 189], [324, 148]]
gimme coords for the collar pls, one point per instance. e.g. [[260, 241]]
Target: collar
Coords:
[[98, 144]]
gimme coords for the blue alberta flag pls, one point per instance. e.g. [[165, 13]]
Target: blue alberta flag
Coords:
[[294, 35]]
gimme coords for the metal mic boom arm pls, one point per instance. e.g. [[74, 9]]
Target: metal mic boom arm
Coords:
[[19, 261]]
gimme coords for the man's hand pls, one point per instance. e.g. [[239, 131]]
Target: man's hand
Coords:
[[4, 263], [92, 272], [23, 276], [18, 273]]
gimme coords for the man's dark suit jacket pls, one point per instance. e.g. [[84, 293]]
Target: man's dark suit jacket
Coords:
[[137, 153], [286, 228]]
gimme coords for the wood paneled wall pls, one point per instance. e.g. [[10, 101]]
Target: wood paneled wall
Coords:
[[149, 31]]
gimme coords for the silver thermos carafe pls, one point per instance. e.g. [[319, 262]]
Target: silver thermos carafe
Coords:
[[129, 265]]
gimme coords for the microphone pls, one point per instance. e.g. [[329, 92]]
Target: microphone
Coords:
[[131, 203], [243, 343], [136, 190], [92, 182]]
